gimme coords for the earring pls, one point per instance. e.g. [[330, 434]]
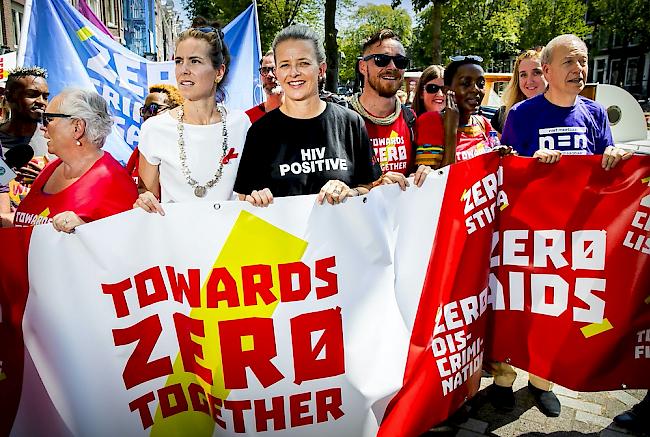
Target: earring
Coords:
[[78, 143]]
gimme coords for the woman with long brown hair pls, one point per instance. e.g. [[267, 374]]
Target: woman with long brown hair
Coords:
[[429, 92]]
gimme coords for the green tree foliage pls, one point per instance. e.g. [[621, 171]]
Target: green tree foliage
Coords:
[[365, 21], [434, 19], [497, 29], [273, 15], [629, 19], [490, 29], [549, 18]]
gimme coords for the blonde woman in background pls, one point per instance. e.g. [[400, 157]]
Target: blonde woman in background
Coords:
[[527, 81]]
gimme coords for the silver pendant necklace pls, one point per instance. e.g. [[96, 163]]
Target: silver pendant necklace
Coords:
[[201, 190]]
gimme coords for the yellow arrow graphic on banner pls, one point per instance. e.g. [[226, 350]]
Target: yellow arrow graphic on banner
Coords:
[[596, 328], [251, 241]]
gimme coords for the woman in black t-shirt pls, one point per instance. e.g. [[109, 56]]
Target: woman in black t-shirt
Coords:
[[306, 146]]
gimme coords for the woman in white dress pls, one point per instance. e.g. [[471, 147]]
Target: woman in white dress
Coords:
[[192, 152]]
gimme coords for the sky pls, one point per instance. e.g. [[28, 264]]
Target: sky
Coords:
[[406, 4]]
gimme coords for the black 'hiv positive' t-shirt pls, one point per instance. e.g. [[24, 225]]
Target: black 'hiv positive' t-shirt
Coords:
[[292, 156]]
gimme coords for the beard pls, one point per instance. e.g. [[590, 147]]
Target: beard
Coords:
[[384, 88]]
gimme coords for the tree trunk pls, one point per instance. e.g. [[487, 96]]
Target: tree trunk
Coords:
[[331, 47], [436, 22]]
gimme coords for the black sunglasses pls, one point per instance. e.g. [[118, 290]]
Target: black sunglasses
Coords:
[[47, 117], [432, 88], [152, 109], [466, 58], [382, 60], [264, 71]]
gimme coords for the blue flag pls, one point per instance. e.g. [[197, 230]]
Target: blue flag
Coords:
[[76, 54]]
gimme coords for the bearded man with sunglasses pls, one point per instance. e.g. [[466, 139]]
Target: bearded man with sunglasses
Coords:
[[390, 124], [271, 87]]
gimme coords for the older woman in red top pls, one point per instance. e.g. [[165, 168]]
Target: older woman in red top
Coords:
[[84, 183]]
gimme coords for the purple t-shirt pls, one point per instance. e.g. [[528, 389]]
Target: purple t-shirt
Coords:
[[536, 123]]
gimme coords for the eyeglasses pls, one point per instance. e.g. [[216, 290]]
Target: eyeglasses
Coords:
[[382, 60], [432, 88], [152, 109], [466, 58], [265, 71], [47, 117]]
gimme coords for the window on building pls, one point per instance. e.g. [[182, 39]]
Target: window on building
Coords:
[[599, 74], [603, 36], [617, 41], [17, 20], [632, 71], [110, 13], [96, 7], [614, 71]]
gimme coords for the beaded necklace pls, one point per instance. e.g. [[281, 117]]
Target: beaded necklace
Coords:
[[201, 190]]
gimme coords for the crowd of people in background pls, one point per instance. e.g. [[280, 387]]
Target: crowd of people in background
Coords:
[[300, 140]]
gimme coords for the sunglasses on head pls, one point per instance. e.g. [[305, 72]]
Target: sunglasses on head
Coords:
[[382, 60], [152, 109], [432, 88], [206, 29], [466, 58], [48, 117], [265, 71]]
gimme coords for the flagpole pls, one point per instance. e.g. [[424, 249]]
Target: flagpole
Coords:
[[257, 30], [24, 31]]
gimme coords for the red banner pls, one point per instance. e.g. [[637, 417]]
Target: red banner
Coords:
[[448, 342], [14, 281], [571, 270], [542, 266]]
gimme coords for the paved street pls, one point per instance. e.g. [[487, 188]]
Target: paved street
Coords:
[[583, 414]]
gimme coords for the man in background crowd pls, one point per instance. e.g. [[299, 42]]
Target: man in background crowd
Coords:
[[23, 144], [271, 88]]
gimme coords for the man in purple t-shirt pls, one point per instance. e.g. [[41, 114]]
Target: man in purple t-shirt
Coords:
[[546, 126], [561, 121]]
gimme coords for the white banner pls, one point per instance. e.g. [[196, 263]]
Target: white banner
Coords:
[[226, 319]]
